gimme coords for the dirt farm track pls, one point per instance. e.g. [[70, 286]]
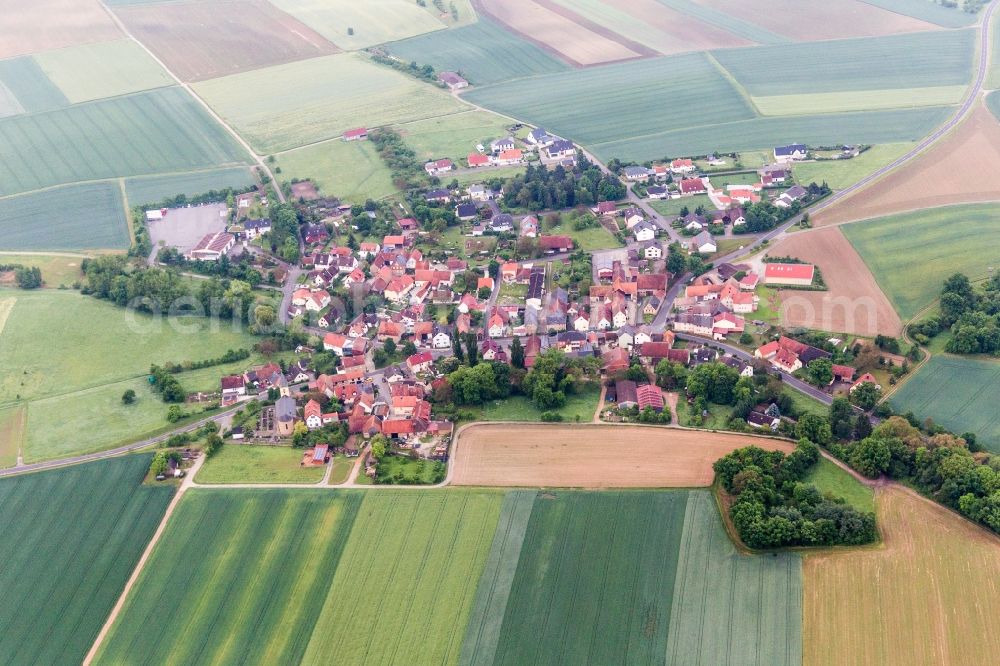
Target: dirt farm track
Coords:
[[592, 456]]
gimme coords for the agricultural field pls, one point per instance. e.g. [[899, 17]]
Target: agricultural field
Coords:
[[106, 69], [933, 12], [725, 21], [72, 217], [592, 456], [858, 100], [920, 60], [409, 564], [372, 22], [152, 132], [205, 40], [351, 170], [256, 565], [67, 23], [244, 463], [153, 189], [71, 539], [928, 575], [24, 79], [853, 301], [839, 174], [472, 51], [12, 426], [830, 478], [661, 94], [957, 393], [454, 135], [956, 169], [319, 99], [939, 241], [57, 269]]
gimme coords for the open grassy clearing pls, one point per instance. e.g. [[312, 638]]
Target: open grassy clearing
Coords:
[[672, 207], [730, 608], [56, 269], [372, 21], [26, 81], [205, 40], [911, 254], [479, 175], [64, 22], [857, 100], [839, 174], [342, 466], [830, 478], [12, 425], [352, 170], [409, 563], [454, 135], [472, 50], [257, 564], [919, 60], [106, 69], [152, 189], [957, 392], [245, 463], [578, 408], [929, 576], [320, 98], [71, 539], [661, 94], [73, 217], [871, 127], [158, 131], [946, 17]]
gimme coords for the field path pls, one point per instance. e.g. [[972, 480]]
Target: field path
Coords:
[[160, 529]]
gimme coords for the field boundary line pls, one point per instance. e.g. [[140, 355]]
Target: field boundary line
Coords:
[[129, 222], [734, 82]]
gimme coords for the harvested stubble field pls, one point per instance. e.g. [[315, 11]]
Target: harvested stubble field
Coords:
[[71, 538], [932, 575], [153, 189], [318, 99], [66, 23], [561, 32], [853, 302], [105, 69], [73, 217], [960, 168], [163, 130], [205, 40], [592, 456], [373, 21]]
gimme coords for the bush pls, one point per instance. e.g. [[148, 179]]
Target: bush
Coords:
[[551, 417]]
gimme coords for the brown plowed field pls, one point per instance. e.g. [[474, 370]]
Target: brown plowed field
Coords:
[[40, 25], [930, 596], [853, 302], [563, 37], [206, 40], [690, 33], [961, 168], [829, 19], [593, 456]]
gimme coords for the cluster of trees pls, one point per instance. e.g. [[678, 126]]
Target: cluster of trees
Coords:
[[679, 261], [284, 234], [764, 216], [973, 317], [390, 352], [773, 508], [334, 434], [231, 356], [166, 384], [541, 188], [407, 171], [243, 269], [25, 277], [422, 72], [161, 462]]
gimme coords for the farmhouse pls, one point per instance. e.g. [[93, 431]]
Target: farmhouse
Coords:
[[357, 134], [476, 160], [682, 166], [789, 274], [452, 80], [509, 157], [212, 247], [649, 395], [436, 167], [555, 244], [791, 152], [866, 378]]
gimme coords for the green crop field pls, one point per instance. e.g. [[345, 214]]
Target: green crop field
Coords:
[[350, 170], [959, 393], [917, 60], [239, 576], [993, 104], [730, 608], [71, 538], [588, 104], [409, 564], [830, 478], [933, 12], [317, 99], [12, 420], [72, 217], [454, 135], [472, 50], [371, 22], [911, 254], [726, 21], [159, 131], [153, 189], [30, 86], [839, 174], [104, 69], [857, 100], [244, 463]]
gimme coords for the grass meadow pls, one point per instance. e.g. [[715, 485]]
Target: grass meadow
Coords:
[[839, 174], [911, 254], [104, 69], [579, 407], [371, 22], [57, 269], [71, 539], [12, 426], [350, 170], [857, 100], [830, 478], [245, 463], [454, 135], [153, 189], [73, 217]]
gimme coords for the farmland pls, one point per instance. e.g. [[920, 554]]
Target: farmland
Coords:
[[67, 22], [106, 69], [152, 132], [205, 40], [408, 564], [257, 565], [152, 189], [939, 241], [948, 17], [372, 21], [73, 217], [839, 174], [57, 269], [71, 539], [12, 424], [350, 170], [29, 85], [454, 135], [592, 456], [244, 463], [730, 608], [726, 21], [957, 393], [929, 576], [857, 100], [319, 99], [472, 50]]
